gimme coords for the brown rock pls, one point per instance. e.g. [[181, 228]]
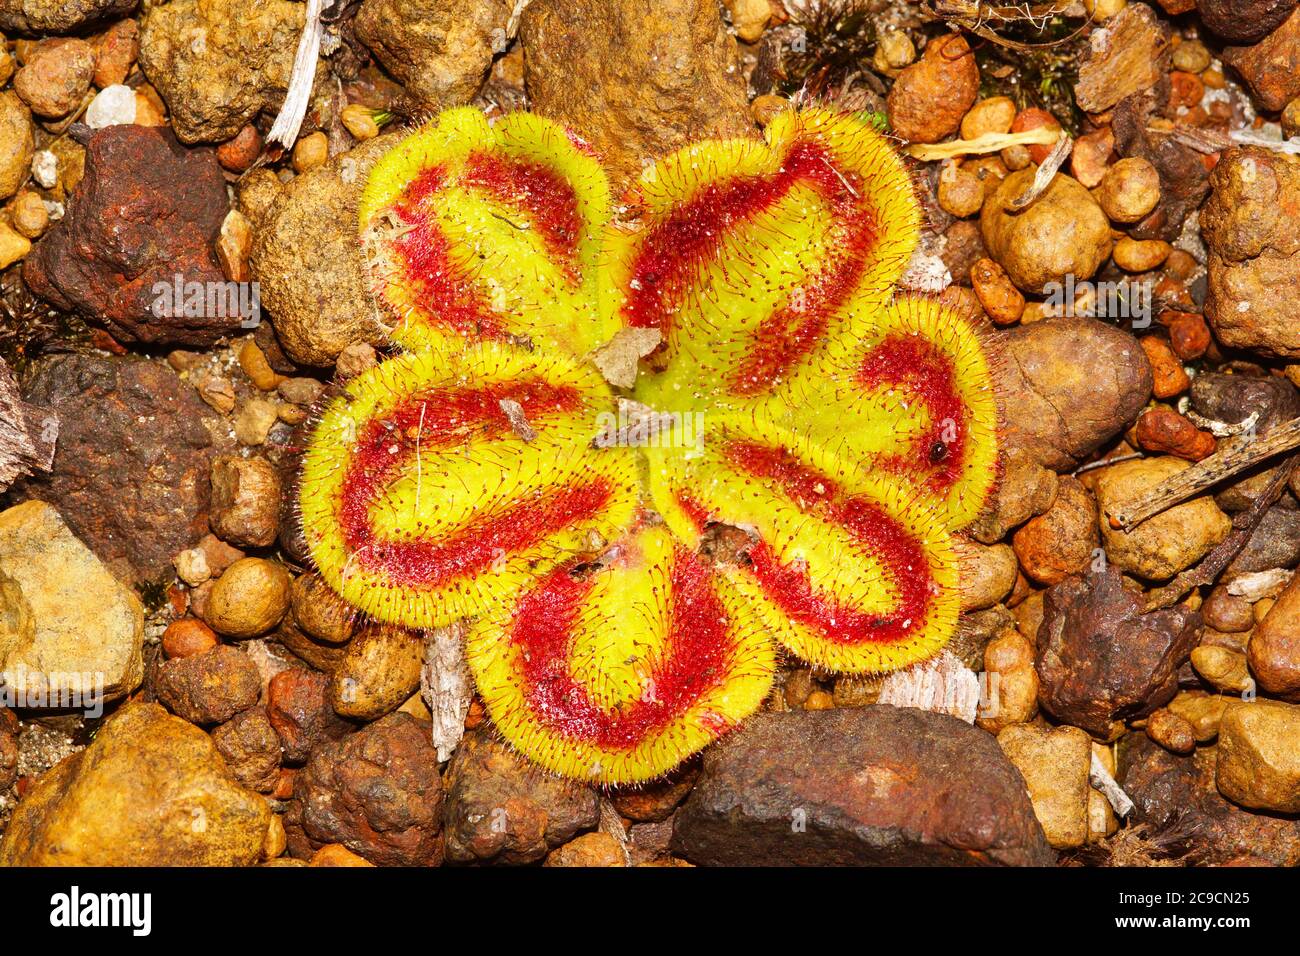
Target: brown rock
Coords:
[[336, 854], [309, 263], [131, 465], [57, 16], [1012, 683], [218, 63], [1184, 180], [1127, 57], [992, 115], [172, 802], [320, 612], [115, 53], [379, 669], [439, 51], [297, 705], [187, 637], [1172, 731], [1233, 399], [1167, 543], [241, 150], [1054, 763], [251, 749], [871, 785], [1000, 298], [502, 809], [930, 97], [657, 800], [109, 260], [988, 572], [635, 80], [589, 849], [1259, 755], [1254, 249], [56, 77], [1167, 375], [249, 599], [211, 687], [16, 143], [1067, 386], [1026, 489], [319, 654], [1227, 612], [1222, 667], [1271, 68], [1202, 711], [1177, 800], [1274, 648], [1101, 660], [1061, 540], [1164, 431], [1244, 21], [1091, 153], [1189, 336], [1063, 232], [1275, 543], [245, 500], [377, 792]]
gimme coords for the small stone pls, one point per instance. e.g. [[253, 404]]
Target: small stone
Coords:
[[1165, 544], [17, 144], [82, 640], [1189, 336], [1271, 67], [112, 106], [187, 637], [1129, 190], [275, 842], [56, 77], [29, 215], [234, 246], [249, 598], [209, 687], [589, 849], [115, 53], [217, 392], [1063, 539], [1140, 255], [988, 573], [1026, 489], [310, 151], [992, 115], [241, 150], [1202, 711], [14, 246], [749, 17], [301, 391], [1063, 232], [1012, 682], [1025, 121], [1171, 731], [1259, 755], [1274, 648], [960, 192], [656, 801], [1225, 611], [930, 97], [172, 800], [320, 611], [1091, 153], [502, 809], [377, 792], [336, 854], [1164, 431], [1054, 763], [894, 51], [245, 501], [1101, 660], [297, 704], [1244, 21], [1191, 56], [379, 669], [1003, 302], [254, 420], [251, 750]]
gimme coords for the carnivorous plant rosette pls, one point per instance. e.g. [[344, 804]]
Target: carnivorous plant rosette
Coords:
[[625, 588]]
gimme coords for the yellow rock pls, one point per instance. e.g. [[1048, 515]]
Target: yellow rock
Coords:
[[150, 790], [1055, 764]]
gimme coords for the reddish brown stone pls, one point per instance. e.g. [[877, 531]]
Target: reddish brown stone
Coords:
[[377, 792], [930, 97], [251, 749], [655, 801], [859, 786], [1244, 21], [130, 471], [1271, 67], [147, 210], [1164, 431], [211, 687], [1101, 660], [298, 707]]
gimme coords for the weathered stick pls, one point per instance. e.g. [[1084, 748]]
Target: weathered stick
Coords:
[[1236, 456]]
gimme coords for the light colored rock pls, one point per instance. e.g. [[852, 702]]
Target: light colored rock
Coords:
[[1055, 764], [86, 629], [1259, 755], [150, 790]]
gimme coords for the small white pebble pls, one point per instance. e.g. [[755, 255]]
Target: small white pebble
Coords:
[[45, 167], [53, 209], [113, 106]]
